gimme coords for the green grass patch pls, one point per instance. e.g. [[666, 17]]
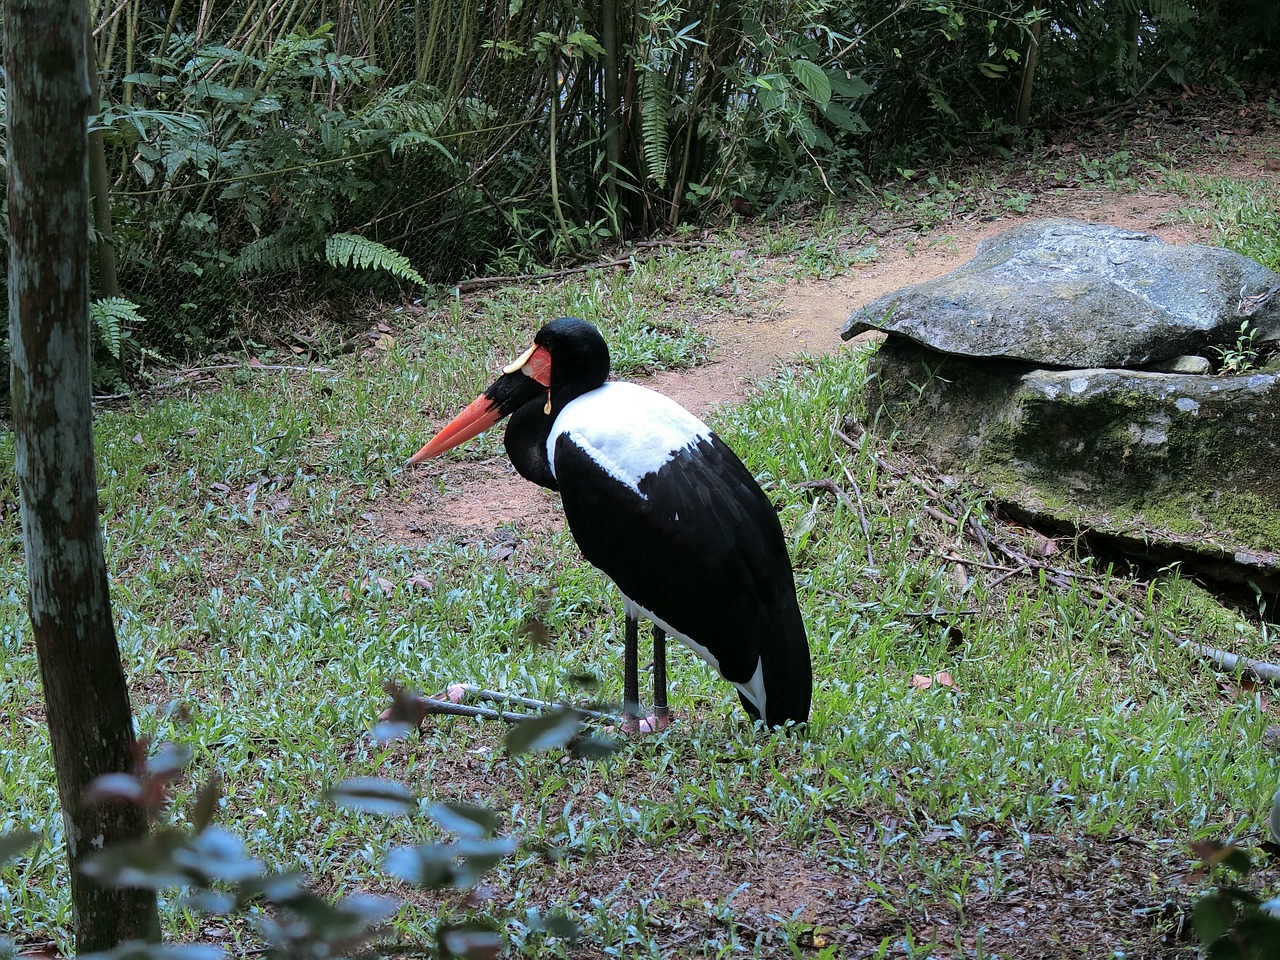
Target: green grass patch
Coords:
[[1244, 214], [1068, 761]]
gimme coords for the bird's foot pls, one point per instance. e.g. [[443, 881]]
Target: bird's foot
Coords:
[[653, 723]]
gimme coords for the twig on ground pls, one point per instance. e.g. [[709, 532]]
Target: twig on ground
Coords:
[[828, 485], [862, 513], [975, 563], [1258, 669], [479, 283], [192, 372], [1057, 576], [1008, 574]]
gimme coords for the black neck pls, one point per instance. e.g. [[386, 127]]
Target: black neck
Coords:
[[526, 442]]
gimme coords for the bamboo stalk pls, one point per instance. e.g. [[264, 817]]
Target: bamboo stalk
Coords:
[[553, 64], [1028, 76], [612, 98], [162, 50]]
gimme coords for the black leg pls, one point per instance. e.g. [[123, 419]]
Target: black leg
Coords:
[[631, 669], [660, 711]]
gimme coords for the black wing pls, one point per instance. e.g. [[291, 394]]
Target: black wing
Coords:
[[702, 548]]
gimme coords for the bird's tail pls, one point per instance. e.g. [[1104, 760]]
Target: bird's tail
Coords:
[[788, 675]]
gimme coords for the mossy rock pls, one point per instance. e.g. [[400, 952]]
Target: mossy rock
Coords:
[[1182, 461]]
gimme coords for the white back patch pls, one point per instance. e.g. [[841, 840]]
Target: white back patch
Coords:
[[629, 430]]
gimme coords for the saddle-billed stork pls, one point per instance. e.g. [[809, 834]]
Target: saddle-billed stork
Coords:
[[663, 507]]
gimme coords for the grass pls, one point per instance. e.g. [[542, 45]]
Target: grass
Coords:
[[1046, 796], [1242, 214]]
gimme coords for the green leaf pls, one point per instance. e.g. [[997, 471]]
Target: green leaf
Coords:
[[374, 795], [1237, 859], [414, 138], [557, 924], [148, 79], [112, 317], [148, 864], [1212, 916], [471, 941], [580, 42], [593, 748], [464, 819], [772, 98], [547, 732], [13, 845], [1273, 821], [843, 118], [435, 865], [353, 250], [429, 866], [846, 86], [206, 803], [217, 854], [813, 79], [655, 107]]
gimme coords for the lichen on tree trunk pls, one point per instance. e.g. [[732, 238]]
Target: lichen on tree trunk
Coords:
[[87, 702]]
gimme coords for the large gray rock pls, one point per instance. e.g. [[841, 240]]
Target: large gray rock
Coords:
[[1068, 294], [1012, 368]]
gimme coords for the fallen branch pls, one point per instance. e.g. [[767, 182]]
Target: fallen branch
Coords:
[[192, 372], [479, 283], [862, 513], [1261, 670], [830, 486]]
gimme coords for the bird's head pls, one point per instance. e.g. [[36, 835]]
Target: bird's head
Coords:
[[568, 357]]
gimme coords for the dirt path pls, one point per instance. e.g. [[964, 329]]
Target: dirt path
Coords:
[[488, 497]]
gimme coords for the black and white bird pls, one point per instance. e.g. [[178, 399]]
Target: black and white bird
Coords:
[[664, 508]]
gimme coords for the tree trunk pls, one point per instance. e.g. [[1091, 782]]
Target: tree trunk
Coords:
[[87, 702]]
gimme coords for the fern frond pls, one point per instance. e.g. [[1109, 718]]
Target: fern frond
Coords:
[[353, 250], [112, 316], [284, 250], [1160, 11], [412, 107], [655, 108]]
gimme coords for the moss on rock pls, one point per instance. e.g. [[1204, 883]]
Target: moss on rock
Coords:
[[1183, 456]]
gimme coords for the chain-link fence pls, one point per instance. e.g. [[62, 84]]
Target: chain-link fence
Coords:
[[251, 159]]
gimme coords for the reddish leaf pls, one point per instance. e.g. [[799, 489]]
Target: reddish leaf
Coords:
[[115, 787]]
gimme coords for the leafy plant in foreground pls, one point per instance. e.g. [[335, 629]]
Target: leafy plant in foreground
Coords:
[[219, 878], [1234, 923], [1241, 356]]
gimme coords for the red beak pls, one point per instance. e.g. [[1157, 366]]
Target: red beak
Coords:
[[516, 387], [481, 414]]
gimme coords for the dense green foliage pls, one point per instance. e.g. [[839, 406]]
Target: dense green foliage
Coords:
[[236, 143]]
